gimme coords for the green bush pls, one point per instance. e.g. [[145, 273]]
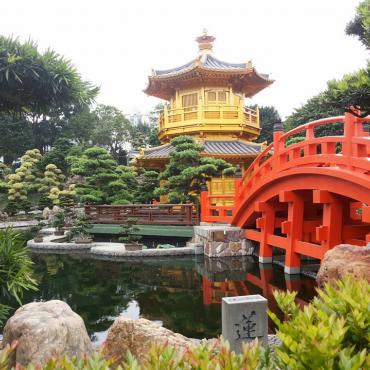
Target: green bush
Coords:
[[204, 357], [332, 332]]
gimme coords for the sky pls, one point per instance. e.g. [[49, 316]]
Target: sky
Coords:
[[116, 43]]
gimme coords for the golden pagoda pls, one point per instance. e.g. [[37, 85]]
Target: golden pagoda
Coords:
[[206, 100]]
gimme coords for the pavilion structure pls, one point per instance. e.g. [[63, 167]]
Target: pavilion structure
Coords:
[[205, 98]]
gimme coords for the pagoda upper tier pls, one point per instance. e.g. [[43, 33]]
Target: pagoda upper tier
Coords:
[[206, 97], [207, 70]]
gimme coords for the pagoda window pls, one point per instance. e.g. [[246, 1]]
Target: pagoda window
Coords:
[[222, 96], [214, 96], [189, 101]]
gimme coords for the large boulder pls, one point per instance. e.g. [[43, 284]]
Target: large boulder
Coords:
[[345, 259], [137, 336], [44, 330]]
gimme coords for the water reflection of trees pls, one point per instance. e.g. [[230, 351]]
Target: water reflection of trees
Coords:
[[183, 293], [100, 291]]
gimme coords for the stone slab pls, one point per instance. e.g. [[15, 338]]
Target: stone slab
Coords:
[[244, 318], [119, 251]]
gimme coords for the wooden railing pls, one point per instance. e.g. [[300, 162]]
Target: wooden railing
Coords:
[[207, 114], [350, 151], [212, 211], [146, 214]]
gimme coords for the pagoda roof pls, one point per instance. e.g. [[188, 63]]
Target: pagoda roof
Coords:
[[221, 148], [207, 70], [205, 61]]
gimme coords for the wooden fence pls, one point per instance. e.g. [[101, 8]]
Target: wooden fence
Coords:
[[146, 214]]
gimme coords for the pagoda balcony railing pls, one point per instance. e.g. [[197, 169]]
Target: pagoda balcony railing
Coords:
[[210, 117]]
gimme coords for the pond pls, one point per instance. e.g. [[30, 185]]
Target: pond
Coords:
[[182, 294]]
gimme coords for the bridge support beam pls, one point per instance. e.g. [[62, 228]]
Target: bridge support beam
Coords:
[[293, 228], [330, 232], [266, 223]]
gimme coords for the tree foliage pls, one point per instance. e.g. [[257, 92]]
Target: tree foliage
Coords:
[[15, 268], [147, 183], [50, 184], [332, 332], [23, 181], [268, 117], [349, 94], [39, 83], [187, 169], [360, 25], [105, 181], [16, 137], [57, 155], [313, 110], [112, 131]]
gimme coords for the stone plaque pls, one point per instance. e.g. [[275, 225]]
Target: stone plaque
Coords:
[[244, 318]]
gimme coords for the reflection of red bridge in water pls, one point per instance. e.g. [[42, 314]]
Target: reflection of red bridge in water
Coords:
[[214, 291], [306, 197]]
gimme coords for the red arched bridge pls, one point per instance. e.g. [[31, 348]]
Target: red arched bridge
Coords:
[[304, 197]]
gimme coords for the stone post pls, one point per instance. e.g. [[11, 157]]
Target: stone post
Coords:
[[244, 318]]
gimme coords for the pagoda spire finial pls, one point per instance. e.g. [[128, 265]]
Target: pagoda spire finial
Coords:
[[205, 43]]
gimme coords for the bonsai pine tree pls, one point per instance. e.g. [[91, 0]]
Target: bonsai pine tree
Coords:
[[23, 180], [128, 231], [187, 169], [51, 183], [125, 187], [105, 181], [98, 168], [147, 183], [81, 227]]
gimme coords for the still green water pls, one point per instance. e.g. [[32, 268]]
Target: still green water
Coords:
[[183, 294]]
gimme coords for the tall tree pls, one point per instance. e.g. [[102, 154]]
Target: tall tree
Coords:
[[186, 170], [268, 116], [39, 83], [360, 25], [16, 137], [80, 127], [112, 131], [312, 110]]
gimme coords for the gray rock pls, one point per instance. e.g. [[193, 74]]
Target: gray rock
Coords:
[[44, 330]]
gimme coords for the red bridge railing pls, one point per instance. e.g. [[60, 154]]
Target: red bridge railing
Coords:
[[349, 151], [146, 214]]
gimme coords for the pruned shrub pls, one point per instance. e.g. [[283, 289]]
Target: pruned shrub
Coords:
[[332, 332]]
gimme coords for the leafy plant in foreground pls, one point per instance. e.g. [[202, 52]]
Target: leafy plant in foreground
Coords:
[[15, 268], [332, 332]]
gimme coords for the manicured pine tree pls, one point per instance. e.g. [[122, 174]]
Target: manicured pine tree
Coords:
[[50, 185], [23, 181], [147, 183], [105, 181], [187, 169]]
